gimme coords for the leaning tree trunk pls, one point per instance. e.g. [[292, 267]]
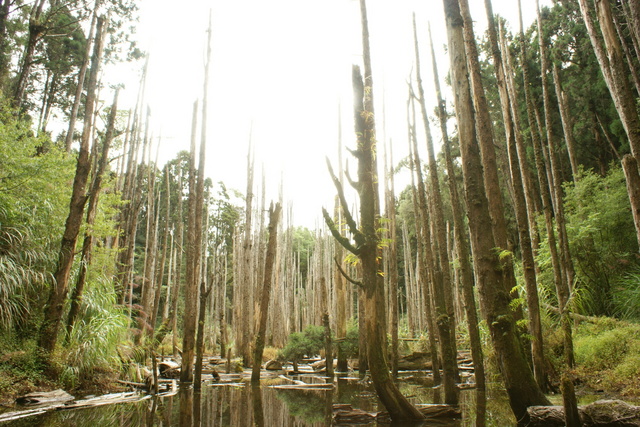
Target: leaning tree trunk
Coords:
[[494, 298], [59, 289], [37, 29], [274, 217], [80, 85], [87, 244], [609, 54]]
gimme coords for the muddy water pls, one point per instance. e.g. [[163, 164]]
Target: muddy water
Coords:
[[244, 405]]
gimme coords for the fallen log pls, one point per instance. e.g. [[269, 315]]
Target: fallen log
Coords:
[[345, 414], [44, 397], [599, 413]]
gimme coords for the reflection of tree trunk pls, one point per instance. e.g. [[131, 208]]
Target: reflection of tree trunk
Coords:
[[186, 407], [258, 412], [495, 300], [59, 289], [274, 217]]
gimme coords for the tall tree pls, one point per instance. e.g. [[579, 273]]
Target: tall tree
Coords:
[[462, 249], [494, 298], [55, 305], [608, 50], [269, 261], [442, 289]]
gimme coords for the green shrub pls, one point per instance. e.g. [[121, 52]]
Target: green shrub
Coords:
[[300, 344]]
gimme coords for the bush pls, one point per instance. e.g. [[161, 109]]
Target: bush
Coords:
[[300, 344], [608, 355]]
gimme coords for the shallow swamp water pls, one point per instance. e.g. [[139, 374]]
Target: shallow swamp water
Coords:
[[240, 404]]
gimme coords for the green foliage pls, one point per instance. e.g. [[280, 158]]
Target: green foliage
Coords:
[[601, 235], [350, 346], [98, 334], [306, 343], [608, 355], [603, 244], [34, 198]]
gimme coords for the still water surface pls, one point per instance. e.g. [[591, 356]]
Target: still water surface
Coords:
[[244, 405]]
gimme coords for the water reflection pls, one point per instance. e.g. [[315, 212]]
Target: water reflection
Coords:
[[245, 406]]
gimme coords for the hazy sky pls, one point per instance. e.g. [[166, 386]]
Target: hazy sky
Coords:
[[285, 66]]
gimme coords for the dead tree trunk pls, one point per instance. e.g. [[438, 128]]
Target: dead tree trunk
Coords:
[[274, 217], [87, 244], [462, 246], [55, 305], [80, 85], [494, 298], [367, 239], [442, 292], [191, 274], [608, 50]]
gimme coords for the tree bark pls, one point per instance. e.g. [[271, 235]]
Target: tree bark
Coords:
[[94, 194], [37, 29], [630, 166], [55, 305], [462, 249], [274, 217], [442, 289], [495, 300], [80, 85], [191, 274]]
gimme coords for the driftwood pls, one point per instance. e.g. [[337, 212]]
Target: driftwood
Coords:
[[415, 361], [273, 365], [345, 414], [44, 398], [600, 413]]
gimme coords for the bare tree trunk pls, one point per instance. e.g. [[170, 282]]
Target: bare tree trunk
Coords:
[[245, 324], [630, 166], [367, 238], [484, 134], [55, 305], [191, 274], [609, 53], [80, 85], [424, 256], [274, 217], [205, 290], [37, 29], [442, 292], [393, 264], [494, 298], [519, 201], [462, 249], [564, 290], [528, 232], [94, 194]]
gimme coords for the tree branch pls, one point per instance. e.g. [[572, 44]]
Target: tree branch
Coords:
[[353, 227], [344, 242], [345, 275]]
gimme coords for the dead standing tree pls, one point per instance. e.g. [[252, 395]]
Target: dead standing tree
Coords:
[[367, 247]]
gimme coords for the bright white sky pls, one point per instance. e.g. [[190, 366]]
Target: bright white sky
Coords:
[[285, 66]]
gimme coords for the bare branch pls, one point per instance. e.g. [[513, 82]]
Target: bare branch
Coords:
[[353, 227], [344, 242], [346, 276]]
